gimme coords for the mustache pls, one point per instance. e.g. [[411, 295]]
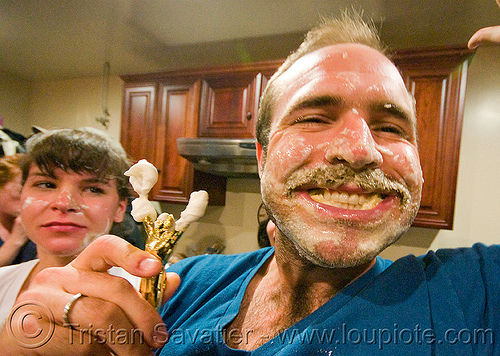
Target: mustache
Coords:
[[335, 176]]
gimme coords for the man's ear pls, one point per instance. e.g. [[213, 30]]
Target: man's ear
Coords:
[[260, 157]]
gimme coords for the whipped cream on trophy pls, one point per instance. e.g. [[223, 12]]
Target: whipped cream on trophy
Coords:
[[162, 231]]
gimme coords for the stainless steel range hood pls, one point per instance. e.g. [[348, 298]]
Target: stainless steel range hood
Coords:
[[220, 156]]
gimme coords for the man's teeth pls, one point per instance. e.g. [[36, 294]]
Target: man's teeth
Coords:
[[346, 200]]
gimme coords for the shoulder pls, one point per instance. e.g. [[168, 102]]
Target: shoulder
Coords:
[[471, 269], [215, 265], [472, 273], [464, 260], [211, 278], [479, 254], [13, 270], [11, 280]]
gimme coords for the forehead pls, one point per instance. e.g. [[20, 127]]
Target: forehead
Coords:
[[59, 174], [353, 72]]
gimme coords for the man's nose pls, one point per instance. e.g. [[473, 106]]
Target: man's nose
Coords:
[[66, 200], [353, 143]]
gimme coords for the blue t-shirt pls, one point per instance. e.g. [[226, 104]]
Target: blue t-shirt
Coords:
[[443, 303]]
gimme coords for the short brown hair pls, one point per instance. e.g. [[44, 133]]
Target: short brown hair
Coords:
[[79, 150]]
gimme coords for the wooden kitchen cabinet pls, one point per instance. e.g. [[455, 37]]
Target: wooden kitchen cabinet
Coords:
[[223, 102], [154, 114], [437, 79], [158, 108], [229, 100], [229, 104], [138, 125]]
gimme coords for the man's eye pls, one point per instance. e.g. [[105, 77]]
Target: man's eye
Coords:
[[310, 120], [391, 129]]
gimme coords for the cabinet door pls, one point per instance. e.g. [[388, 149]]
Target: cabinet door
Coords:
[[178, 117], [229, 104], [138, 127], [437, 80]]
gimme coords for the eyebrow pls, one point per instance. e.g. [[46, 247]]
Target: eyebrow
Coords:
[[104, 181], [93, 180], [392, 109], [335, 101], [316, 102], [41, 174]]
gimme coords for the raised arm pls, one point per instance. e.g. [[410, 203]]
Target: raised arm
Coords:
[[12, 243], [485, 35]]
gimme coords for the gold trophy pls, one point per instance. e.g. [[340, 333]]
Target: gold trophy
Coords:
[[162, 231]]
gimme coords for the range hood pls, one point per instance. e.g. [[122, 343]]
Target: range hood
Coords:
[[221, 156]]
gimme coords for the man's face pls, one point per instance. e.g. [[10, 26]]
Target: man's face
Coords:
[[342, 175]]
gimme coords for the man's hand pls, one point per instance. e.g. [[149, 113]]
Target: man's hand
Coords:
[[485, 35], [112, 315]]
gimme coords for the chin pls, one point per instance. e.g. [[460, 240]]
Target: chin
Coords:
[[347, 247], [64, 248], [330, 256]]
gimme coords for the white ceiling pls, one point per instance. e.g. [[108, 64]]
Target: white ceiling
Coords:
[[53, 39]]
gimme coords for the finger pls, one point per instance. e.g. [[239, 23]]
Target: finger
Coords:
[[114, 329], [110, 302], [108, 251], [31, 326], [485, 35]]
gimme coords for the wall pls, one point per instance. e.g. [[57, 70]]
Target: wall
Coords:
[[75, 103], [477, 212], [15, 103], [234, 225]]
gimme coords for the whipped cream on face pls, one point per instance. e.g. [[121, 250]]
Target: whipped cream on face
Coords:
[[345, 200], [143, 176], [194, 210]]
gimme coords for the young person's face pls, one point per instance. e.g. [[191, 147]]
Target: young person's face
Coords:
[[343, 112], [63, 213]]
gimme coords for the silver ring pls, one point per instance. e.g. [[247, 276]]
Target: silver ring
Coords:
[[68, 306]]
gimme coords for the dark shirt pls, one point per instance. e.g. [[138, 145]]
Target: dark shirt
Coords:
[[26, 253]]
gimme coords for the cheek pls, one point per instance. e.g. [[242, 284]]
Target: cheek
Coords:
[[405, 161], [102, 216], [31, 204], [31, 209], [286, 152]]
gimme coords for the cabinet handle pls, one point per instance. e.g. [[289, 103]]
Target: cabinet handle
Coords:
[[249, 116]]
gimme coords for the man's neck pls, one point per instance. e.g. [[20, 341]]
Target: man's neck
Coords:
[[309, 282], [285, 290]]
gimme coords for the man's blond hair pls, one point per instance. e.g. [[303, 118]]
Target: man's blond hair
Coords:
[[349, 28]]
